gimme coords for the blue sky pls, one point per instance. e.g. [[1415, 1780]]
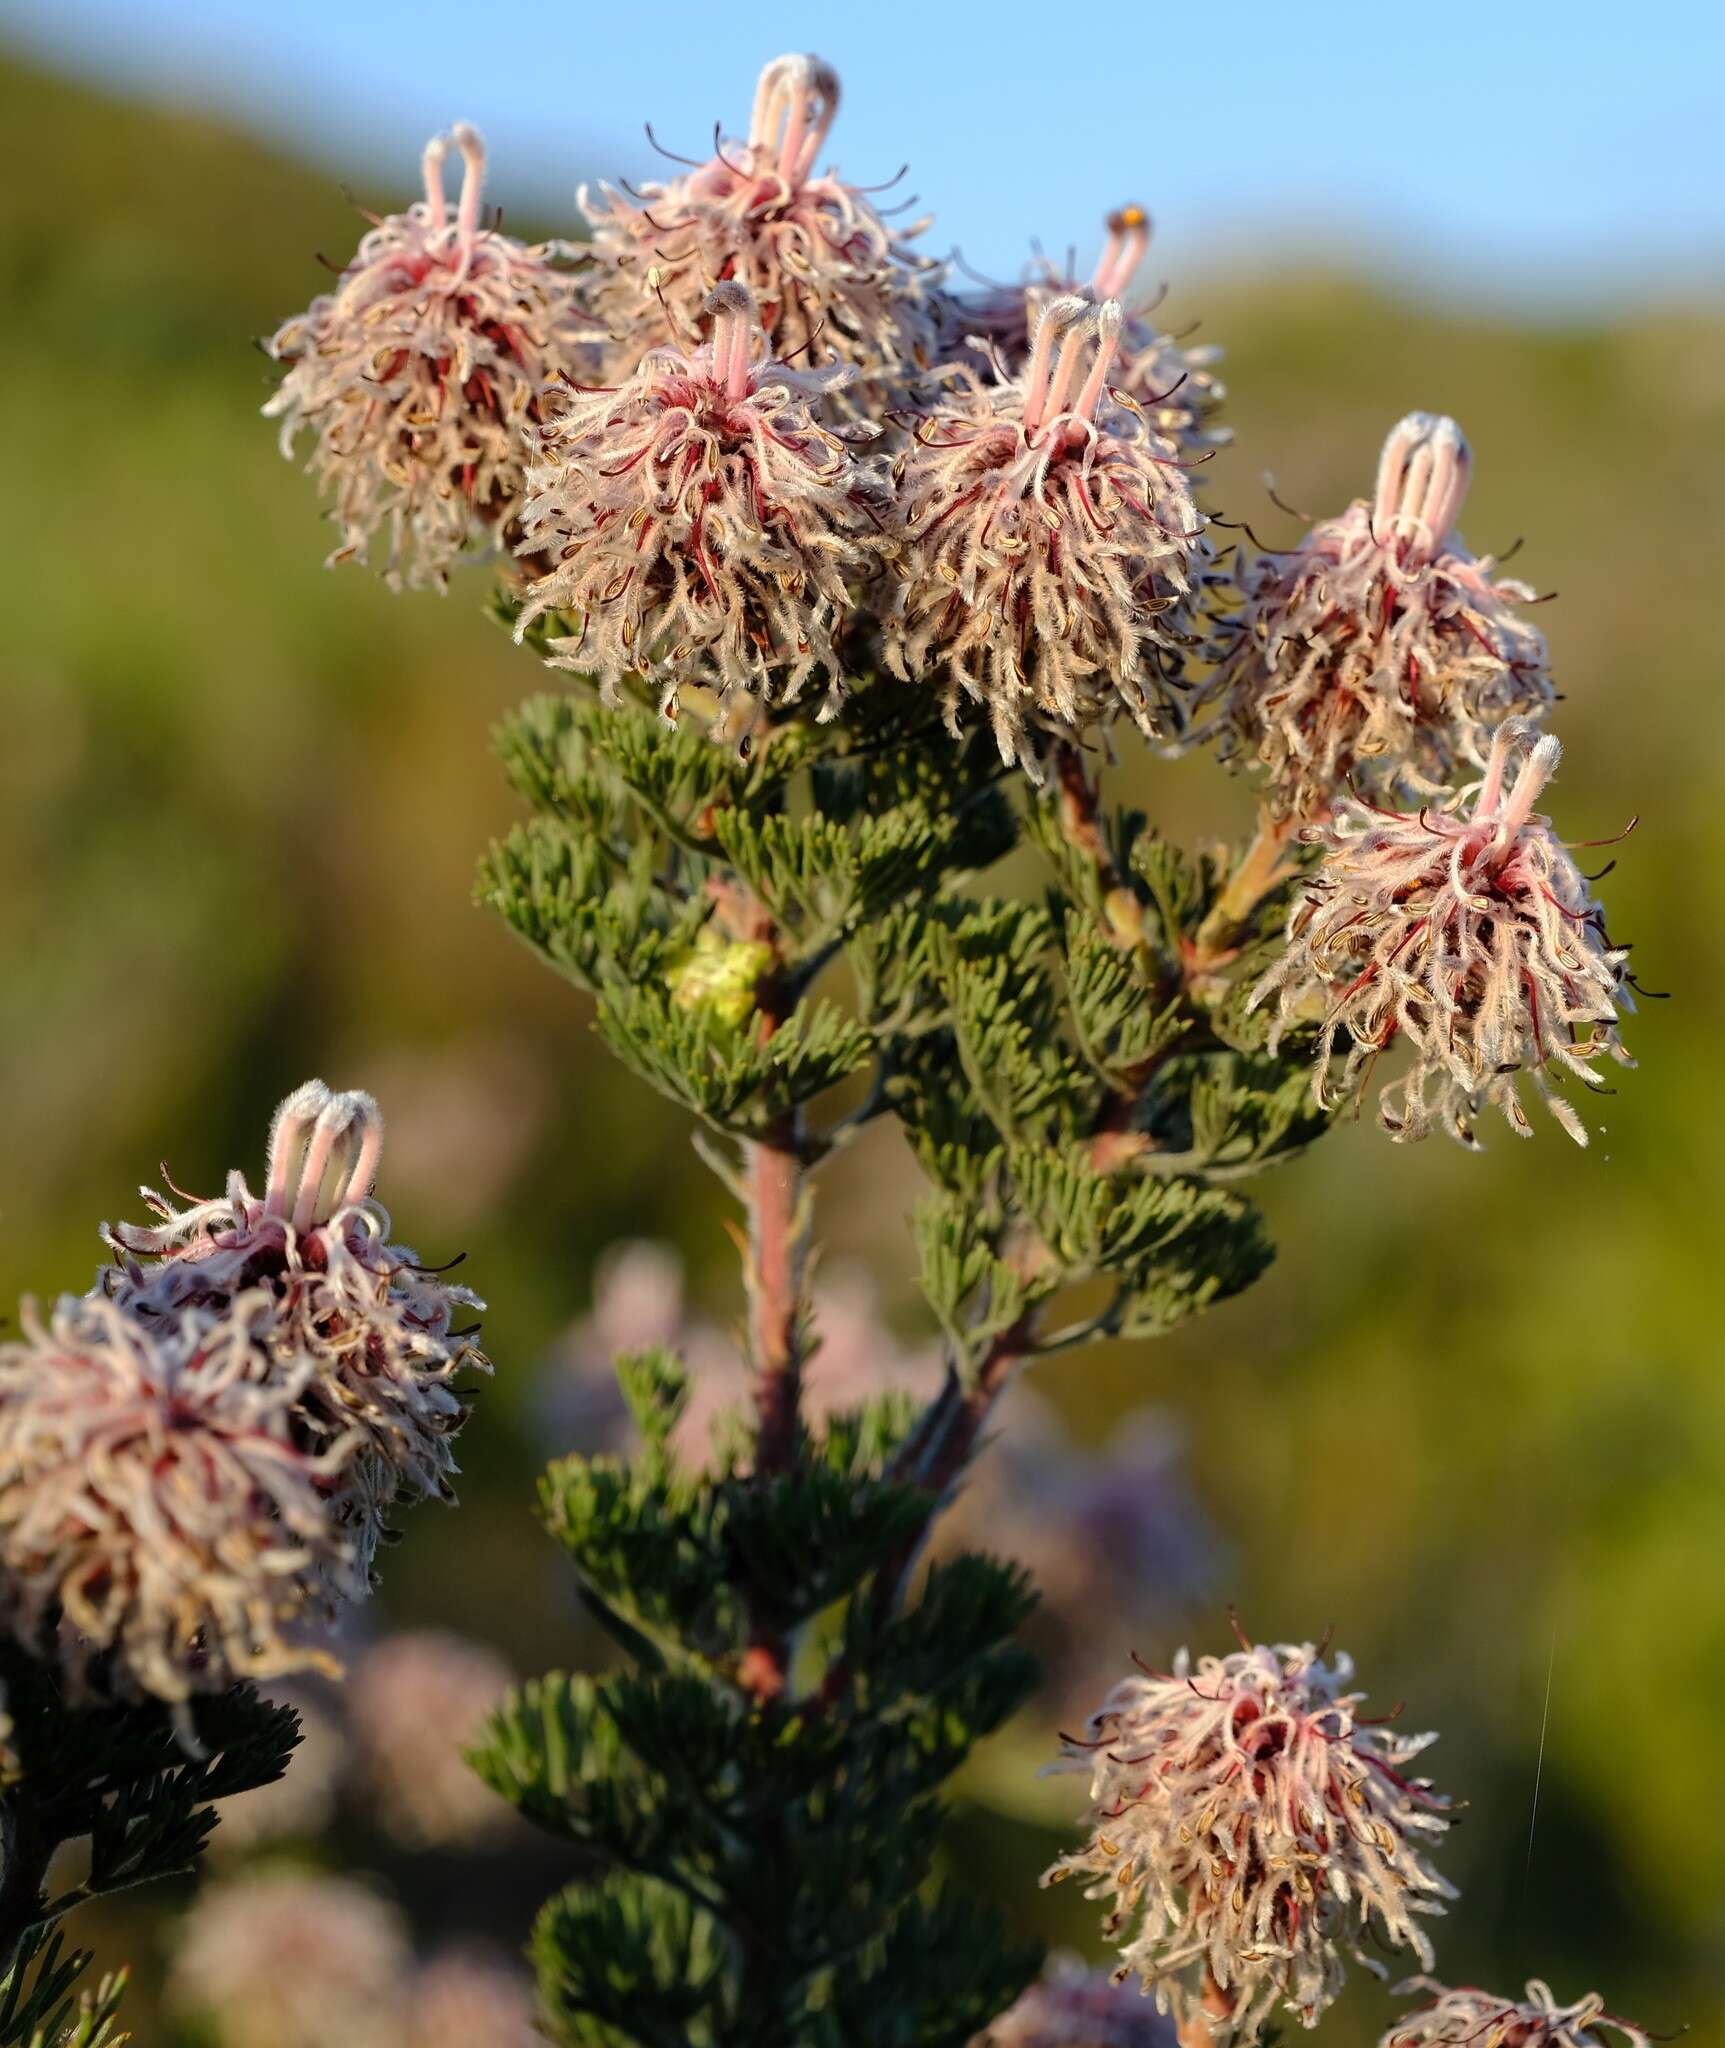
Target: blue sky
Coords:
[[1525, 151]]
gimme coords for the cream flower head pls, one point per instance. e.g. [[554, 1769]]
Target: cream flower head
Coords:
[[825, 269], [1052, 555], [1470, 934], [1246, 1823], [162, 1527], [1379, 655], [1465, 2017], [706, 518], [367, 1334], [419, 375]]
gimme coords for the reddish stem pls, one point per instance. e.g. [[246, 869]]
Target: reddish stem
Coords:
[[774, 1272], [1202, 2029]]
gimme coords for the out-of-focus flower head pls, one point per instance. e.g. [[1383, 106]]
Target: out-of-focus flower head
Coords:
[[284, 1959], [1175, 387], [366, 1333], [704, 517], [1052, 553], [1245, 1823], [414, 1702], [1467, 931], [1117, 1530], [1076, 2007], [824, 267], [162, 1531], [418, 376], [1465, 2017], [1380, 654], [468, 1999], [301, 1803], [640, 1301]]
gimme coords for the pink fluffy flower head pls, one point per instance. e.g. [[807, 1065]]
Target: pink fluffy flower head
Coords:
[[1470, 934], [161, 1529], [704, 519], [1076, 2007], [419, 375], [821, 262], [469, 1999], [1380, 654], [1175, 387], [367, 1332], [1246, 1823], [288, 1959], [415, 1701], [1051, 550], [1465, 2017]]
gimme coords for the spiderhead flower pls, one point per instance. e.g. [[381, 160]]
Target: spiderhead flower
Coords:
[[418, 376], [1175, 387], [1470, 933], [161, 1528], [365, 1331], [1379, 653], [1051, 550], [1245, 1823], [1470, 2018], [704, 518], [817, 257]]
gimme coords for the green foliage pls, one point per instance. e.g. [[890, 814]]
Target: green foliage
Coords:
[[137, 1780], [41, 2005], [1076, 1075], [766, 1856]]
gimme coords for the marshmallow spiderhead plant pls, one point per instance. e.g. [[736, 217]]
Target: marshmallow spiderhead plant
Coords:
[[196, 1459], [853, 590]]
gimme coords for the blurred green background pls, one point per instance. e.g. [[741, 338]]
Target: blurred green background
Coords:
[[1475, 1415]]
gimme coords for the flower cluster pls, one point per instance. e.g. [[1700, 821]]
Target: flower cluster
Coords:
[[1052, 554], [1246, 1821], [196, 1457], [1467, 931], [820, 261], [1468, 2018], [286, 1959], [704, 518], [418, 375], [806, 458], [1379, 654], [701, 516]]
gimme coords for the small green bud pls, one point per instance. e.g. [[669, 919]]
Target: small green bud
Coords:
[[717, 976]]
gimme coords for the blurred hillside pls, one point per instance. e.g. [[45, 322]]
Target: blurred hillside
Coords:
[[1475, 1416]]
